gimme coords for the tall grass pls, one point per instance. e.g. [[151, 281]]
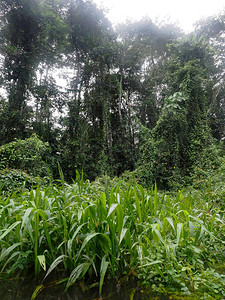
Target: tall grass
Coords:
[[91, 231]]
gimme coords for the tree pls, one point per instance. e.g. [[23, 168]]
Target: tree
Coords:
[[91, 53], [19, 39], [30, 35], [212, 30], [143, 64], [182, 132]]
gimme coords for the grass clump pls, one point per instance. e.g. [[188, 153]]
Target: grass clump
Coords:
[[92, 231]]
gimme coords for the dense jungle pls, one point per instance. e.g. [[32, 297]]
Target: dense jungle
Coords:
[[112, 155]]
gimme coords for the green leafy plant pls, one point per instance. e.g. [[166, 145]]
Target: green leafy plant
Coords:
[[12, 180], [30, 155], [93, 231]]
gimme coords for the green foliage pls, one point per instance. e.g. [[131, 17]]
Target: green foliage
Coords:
[[93, 231], [210, 166], [30, 155], [181, 134], [142, 70], [12, 180], [211, 30]]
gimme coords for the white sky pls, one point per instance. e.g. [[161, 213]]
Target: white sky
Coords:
[[183, 12]]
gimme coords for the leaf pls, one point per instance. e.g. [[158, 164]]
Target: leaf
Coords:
[[91, 260], [103, 200], [191, 228], [138, 207], [46, 231], [8, 250], [70, 242], [112, 208], [179, 231], [76, 273], [195, 249], [154, 229], [103, 269], [86, 240], [42, 261], [203, 229], [26, 215], [76, 232], [11, 258], [37, 291], [119, 218], [170, 220], [151, 263], [55, 263], [9, 229], [123, 232]]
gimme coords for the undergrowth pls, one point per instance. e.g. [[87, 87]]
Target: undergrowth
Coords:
[[91, 231]]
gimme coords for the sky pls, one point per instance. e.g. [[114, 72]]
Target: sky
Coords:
[[184, 13]]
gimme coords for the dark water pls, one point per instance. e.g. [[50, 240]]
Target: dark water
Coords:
[[23, 289]]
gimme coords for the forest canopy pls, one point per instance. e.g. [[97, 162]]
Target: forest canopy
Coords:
[[144, 97]]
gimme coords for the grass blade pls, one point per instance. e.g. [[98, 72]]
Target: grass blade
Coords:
[[55, 263], [104, 266], [9, 229]]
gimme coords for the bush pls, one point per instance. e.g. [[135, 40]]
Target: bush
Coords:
[[17, 181], [30, 155], [210, 167]]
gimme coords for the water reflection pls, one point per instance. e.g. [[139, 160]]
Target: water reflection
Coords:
[[23, 289]]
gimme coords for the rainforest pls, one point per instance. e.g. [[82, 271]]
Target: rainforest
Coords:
[[112, 154]]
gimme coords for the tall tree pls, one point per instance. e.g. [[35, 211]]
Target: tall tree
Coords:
[[19, 46], [143, 64], [182, 132], [30, 34], [212, 30], [90, 54]]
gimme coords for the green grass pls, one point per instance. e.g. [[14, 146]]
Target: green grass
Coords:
[[92, 231]]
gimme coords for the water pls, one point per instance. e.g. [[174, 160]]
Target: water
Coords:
[[23, 289]]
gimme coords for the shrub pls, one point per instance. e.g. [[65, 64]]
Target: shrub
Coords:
[[30, 155], [17, 181]]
